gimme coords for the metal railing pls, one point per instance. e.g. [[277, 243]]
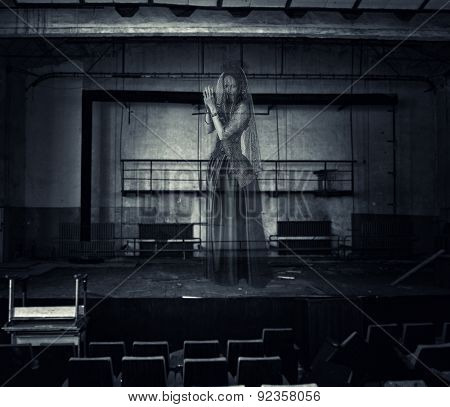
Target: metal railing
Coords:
[[327, 177]]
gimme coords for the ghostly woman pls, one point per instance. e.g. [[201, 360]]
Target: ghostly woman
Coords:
[[235, 234]]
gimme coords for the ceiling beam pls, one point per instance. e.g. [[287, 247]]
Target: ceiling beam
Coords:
[[196, 98], [151, 22]]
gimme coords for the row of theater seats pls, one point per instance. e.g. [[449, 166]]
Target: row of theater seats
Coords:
[[272, 359], [413, 334], [391, 354], [410, 353], [151, 371]]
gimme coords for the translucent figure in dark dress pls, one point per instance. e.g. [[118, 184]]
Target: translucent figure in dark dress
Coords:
[[236, 245]]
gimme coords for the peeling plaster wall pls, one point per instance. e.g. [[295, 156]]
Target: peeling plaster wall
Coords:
[[46, 137]]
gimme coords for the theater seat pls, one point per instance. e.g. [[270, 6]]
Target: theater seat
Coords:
[[405, 383], [255, 372], [433, 356], [280, 342], [384, 335], [274, 338], [53, 363], [144, 371], [152, 349], [206, 372], [415, 334], [441, 378], [91, 372], [328, 348], [114, 350], [201, 349], [325, 373], [237, 348], [384, 342], [446, 332], [17, 367], [355, 353]]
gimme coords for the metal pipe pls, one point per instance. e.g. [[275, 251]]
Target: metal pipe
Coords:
[[394, 161], [11, 300], [24, 291], [213, 75], [205, 161], [77, 286], [85, 294]]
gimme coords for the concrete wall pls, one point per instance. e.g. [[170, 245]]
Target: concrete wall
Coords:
[[3, 145], [45, 136], [3, 156]]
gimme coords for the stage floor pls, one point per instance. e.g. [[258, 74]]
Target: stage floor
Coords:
[[175, 278]]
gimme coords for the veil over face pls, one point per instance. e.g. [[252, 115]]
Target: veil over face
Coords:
[[227, 105]]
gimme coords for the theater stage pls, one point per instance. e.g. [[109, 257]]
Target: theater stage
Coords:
[[176, 278], [169, 299]]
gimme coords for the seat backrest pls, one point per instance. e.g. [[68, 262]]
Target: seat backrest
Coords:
[[280, 342], [201, 349], [405, 383], [433, 356], [446, 332], [90, 372], [237, 348], [258, 371], [277, 339], [383, 335], [16, 363], [327, 374], [325, 352], [53, 362], [205, 372], [114, 350], [415, 334], [355, 353], [142, 371], [152, 349]]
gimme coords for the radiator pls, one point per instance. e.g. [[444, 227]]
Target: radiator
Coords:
[[387, 234], [304, 228], [166, 231], [99, 231], [102, 241], [316, 237]]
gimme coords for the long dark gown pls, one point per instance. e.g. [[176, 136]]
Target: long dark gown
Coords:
[[236, 246]]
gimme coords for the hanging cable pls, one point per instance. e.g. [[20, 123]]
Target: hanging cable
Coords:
[[278, 131]]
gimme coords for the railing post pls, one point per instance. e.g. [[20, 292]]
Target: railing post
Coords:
[[11, 299], [200, 176], [85, 293], [24, 283], [276, 178], [77, 286], [122, 170], [394, 161], [151, 176], [353, 177]]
